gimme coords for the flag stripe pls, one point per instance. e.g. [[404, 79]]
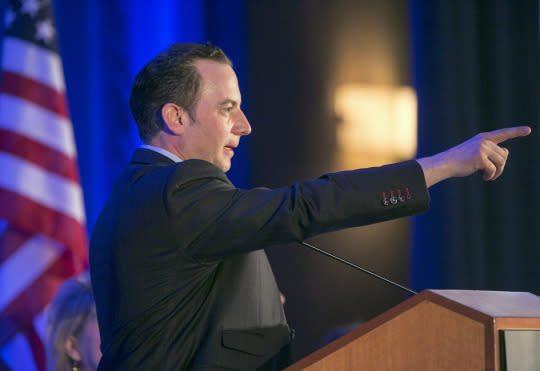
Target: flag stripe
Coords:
[[35, 298], [40, 155], [39, 124], [37, 63], [16, 274], [9, 329], [32, 91], [10, 241], [33, 217], [40, 323], [17, 355], [38, 349], [41, 186]]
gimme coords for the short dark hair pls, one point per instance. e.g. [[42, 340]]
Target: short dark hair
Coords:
[[171, 77]]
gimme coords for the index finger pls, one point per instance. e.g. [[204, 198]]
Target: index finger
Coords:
[[501, 135]]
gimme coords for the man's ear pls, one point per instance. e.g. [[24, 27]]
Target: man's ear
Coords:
[[175, 118], [71, 349]]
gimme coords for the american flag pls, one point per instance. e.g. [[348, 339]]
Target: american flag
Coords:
[[42, 223]]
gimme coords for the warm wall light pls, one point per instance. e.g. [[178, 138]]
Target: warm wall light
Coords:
[[378, 123]]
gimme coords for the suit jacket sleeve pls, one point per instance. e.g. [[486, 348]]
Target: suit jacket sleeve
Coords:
[[225, 220]]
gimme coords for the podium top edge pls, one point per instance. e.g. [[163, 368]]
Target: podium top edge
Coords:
[[494, 303]]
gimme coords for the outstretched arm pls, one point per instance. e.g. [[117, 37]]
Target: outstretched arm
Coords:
[[481, 152]]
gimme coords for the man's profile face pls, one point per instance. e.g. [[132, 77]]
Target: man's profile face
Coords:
[[218, 121]]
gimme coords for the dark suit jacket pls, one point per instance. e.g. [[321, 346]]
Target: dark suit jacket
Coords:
[[179, 274]]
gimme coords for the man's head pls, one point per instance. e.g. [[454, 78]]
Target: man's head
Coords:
[[187, 101], [171, 77]]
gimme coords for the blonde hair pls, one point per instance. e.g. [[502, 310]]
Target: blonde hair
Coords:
[[69, 311]]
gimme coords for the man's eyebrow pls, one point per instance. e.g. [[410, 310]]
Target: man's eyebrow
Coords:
[[228, 101]]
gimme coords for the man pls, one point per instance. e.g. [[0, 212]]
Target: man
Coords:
[[179, 274]]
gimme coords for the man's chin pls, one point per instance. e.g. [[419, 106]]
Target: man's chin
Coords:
[[225, 166]]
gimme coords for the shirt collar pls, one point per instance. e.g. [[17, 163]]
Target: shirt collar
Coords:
[[162, 151]]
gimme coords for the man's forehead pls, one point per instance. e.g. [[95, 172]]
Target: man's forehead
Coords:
[[218, 77], [214, 70]]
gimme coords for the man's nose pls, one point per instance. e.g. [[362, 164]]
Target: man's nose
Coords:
[[242, 126]]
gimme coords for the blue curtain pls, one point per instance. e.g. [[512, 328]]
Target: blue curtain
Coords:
[[477, 68], [103, 45]]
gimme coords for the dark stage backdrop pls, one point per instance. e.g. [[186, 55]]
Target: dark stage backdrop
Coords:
[[477, 68], [295, 48]]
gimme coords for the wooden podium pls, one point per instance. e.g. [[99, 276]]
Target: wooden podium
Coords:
[[433, 330]]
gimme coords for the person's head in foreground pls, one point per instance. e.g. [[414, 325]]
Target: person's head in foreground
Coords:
[[72, 328]]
